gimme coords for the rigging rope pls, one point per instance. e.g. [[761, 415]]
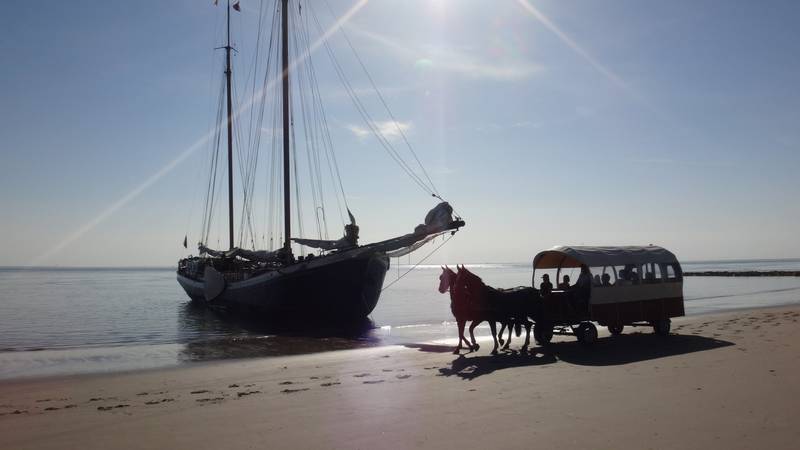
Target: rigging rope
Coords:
[[386, 106], [417, 264]]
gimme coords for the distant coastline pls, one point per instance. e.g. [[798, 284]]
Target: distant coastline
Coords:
[[744, 273]]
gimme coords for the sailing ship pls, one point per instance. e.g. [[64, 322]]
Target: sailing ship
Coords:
[[344, 279]]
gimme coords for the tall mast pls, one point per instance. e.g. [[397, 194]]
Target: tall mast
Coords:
[[287, 245], [230, 128]]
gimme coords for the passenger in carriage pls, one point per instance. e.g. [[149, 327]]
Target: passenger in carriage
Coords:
[[580, 293], [623, 279], [606, 279], [584, 282], [634, 276], [596, 280], [649, 278], [546, 287], [564, 284]]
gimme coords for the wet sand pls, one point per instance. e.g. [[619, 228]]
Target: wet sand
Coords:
[[720, 381]]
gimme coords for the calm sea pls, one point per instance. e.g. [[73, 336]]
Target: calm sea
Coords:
[[57, 321]]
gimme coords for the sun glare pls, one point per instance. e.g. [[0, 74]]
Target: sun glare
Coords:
[[438, 6]]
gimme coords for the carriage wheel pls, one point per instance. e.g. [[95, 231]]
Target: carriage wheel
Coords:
[[586, 333], [662, 327], [543, 333], [616, 329]]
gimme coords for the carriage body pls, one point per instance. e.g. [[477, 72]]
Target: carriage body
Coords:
[[631, 286]]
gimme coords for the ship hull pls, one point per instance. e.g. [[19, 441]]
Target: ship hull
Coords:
[[345, 286]]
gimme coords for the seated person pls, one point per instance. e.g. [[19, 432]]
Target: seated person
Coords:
[[596, 280], [634, 277], [622, 279], [564, 284], [649, 277], [546, 287], [584, 279], [606, 280]]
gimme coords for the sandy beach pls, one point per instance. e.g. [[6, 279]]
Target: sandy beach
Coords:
[[719, 381]]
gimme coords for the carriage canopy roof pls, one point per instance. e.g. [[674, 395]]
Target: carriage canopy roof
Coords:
[[572, 256]]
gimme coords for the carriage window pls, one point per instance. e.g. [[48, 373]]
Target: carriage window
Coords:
[[673, 272], [652, 273]]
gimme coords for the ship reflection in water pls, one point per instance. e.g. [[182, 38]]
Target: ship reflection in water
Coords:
[[209, 335]]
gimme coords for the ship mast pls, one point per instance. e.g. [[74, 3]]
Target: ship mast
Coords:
[[287, 245], [228, 49]]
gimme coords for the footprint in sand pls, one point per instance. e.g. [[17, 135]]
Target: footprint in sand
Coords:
[[403, 377], [51, 408], [109, 408], [242, 394], [332, 383], [212, 400], [286, 382], [156, 402], [373, 381], [233, 385], [201, 391], [386, 370], [362, 375], [292, 391]]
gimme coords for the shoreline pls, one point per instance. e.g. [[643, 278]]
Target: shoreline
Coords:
[[730, 375], [172, 355]]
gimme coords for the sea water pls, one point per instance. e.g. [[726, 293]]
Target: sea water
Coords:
[[57, 321]]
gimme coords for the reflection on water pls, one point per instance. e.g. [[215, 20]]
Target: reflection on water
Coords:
[[211, 335]]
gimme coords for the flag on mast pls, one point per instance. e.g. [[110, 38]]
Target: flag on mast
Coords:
[[236, 6]]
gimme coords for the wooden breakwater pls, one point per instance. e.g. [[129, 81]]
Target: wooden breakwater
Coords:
[[744, 273]]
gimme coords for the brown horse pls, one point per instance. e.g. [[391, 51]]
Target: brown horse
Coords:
[[466, 306], [447, 280], [510, 307]]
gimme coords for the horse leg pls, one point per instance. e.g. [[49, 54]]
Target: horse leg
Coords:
[[472, 326], [509, 325], [500, 334], [527, 335], [493, 327], [461, 324]]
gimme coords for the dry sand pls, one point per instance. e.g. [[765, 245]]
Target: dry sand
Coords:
[[724, 381]]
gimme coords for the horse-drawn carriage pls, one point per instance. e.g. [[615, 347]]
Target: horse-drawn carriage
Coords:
[[617, 287], [633, 286]]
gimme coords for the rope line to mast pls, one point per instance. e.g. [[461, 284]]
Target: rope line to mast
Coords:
[[386, 106], [420, 262]]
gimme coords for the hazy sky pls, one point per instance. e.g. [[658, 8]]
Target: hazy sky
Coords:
[[543, 122]]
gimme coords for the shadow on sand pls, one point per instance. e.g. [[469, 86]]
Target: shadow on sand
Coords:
[[624, 349], [210, 335]]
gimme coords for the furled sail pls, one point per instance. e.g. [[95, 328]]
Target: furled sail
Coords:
[[439, 220], [349, 240], [252, 255]]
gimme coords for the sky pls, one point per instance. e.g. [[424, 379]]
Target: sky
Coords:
[[542, 122]]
